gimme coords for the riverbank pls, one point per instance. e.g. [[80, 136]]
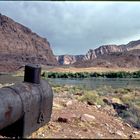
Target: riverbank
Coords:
[[78, 113], [89, 69], [101, 113], [68, 69]]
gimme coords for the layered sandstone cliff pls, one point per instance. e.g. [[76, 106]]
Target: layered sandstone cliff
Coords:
[[90, 55], [19, 45], [106, 55], [69, 59], [105, 49]]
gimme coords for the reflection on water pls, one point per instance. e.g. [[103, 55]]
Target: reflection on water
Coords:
[[90, 83], [10, 79], [93, 83]]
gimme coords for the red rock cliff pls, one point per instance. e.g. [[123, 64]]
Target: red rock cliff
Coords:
[[19, 45]]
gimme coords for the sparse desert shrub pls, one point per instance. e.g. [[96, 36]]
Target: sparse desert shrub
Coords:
[[60, 88], [137, 101], [92, 97], [123, 91], [132, 116], [76, 89], [57, 89], [105, 91], [127, 99], [128, 89]]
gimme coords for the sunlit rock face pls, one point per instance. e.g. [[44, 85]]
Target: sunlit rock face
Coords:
[[68, 59], [19, 45], [122, 55]]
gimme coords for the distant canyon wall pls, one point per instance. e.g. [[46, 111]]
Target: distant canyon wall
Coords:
[[102, 52]]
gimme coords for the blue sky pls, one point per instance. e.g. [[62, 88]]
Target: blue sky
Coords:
[[76, 27]]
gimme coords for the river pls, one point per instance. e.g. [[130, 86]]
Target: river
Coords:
[[93, 83], [90, 83]]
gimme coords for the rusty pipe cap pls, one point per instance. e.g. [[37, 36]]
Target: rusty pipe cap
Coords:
[[32, 73]]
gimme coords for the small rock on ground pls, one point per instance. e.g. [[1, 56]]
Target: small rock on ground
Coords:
[[87, 117], [65, 118]]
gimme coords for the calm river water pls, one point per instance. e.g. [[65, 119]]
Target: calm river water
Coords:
[[91, 83]]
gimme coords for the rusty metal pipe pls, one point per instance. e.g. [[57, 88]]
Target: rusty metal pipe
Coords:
[[10, 107], [30, 101]]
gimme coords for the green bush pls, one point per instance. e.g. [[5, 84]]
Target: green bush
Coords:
[[120, 74], [92, 97]]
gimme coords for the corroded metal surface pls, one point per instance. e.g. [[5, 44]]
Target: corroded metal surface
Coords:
[[32, 73], [25, 106], [10, 107]]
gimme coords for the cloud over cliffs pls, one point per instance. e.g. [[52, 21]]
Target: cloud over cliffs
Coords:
[[75, 27]]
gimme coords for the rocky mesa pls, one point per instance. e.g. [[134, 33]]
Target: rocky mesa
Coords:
[[90, 55], [107, 56], [19, 45], [69, 59]]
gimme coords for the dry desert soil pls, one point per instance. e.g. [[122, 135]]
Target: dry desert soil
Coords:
[[74, 119]]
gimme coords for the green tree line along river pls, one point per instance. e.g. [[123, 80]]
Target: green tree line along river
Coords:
[[121, 74]]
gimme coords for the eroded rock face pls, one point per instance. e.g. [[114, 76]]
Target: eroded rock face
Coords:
[[106, 56], [105, 49], [20, 45], [68, 59], [133, 45], [90, 55]]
